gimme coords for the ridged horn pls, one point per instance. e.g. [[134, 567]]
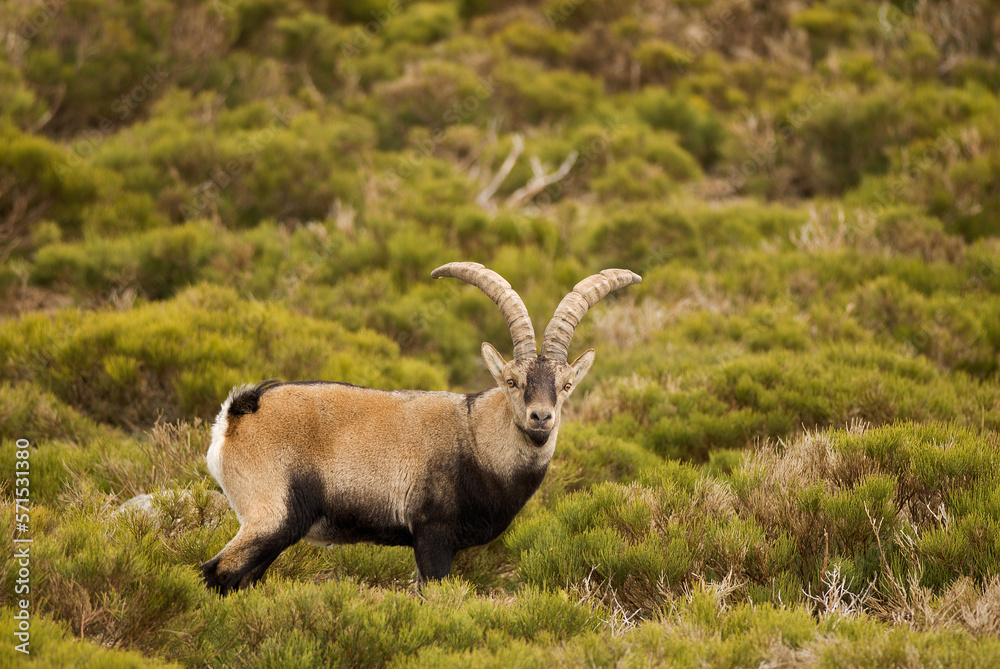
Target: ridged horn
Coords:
[[510, 303], [572, 309]]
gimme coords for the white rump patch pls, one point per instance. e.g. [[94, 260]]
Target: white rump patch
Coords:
[[214, 456]]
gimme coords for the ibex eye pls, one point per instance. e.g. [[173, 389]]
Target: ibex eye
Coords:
[[511, 384]]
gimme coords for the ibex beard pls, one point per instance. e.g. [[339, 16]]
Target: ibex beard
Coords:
[[334, 463]]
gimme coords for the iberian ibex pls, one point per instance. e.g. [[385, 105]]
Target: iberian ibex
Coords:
[[334, 463]]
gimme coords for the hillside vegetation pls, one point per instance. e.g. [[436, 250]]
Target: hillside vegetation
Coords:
[[786, 453]]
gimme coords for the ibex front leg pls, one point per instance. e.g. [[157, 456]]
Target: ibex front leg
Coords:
[[434, 551]]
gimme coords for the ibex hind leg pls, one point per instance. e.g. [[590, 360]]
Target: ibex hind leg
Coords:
[[261, 540], [245, 559]]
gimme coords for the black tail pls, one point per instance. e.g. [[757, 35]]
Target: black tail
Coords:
[[247, 399]]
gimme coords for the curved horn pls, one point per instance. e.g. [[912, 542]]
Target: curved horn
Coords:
[[497, 289], [572, 309]]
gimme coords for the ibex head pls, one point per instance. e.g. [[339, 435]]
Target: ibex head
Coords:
[[537, 385]]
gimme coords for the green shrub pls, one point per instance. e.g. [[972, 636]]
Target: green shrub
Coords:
[[125, 68], [644, 235], [661, 60], [533, 39], [40, 179], [19, 104], [180, 358], [843, 136], [773, 394], [315, 43], [115, 586], [52, 644], [698, 130], [893, 487], [341, 623], [29, 412], [532, 97], [156, 264], [576, 14], [861, 501], [644, 541], [422, 23], [827, 27], [632, 180], [436, 95], [299, 171], [942, 328], [910, 233], [586, 458]]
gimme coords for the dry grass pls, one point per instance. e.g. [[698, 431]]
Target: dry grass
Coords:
[[628, 322], [172, 452], [823, 232], [840, 596], [620, 395], [617, 618], [625, 323], [964, 605], [781, 472]]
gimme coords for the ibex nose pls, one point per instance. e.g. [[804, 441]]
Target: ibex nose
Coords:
[[540, 417]]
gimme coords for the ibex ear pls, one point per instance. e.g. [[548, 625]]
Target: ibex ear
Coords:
[[582, 364], [494, 362]]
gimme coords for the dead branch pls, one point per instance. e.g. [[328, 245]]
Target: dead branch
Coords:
[[540, 181], [484, 197]]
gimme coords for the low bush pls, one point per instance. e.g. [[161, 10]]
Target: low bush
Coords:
[[422, 23], [687, 406], [435, 95], [532, 97], [866, 510], [180, 358], [40, 179], [29, 412], [942, 328], [697, 128], [645, 235], [155, 264], [533, 38], [53, 645]]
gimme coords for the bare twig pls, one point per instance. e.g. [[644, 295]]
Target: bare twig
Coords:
[[540, 181], [877, 529], [484, 197], [310, 86], [53, 108]]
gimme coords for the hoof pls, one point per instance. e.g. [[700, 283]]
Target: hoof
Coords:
[[221, 583]]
